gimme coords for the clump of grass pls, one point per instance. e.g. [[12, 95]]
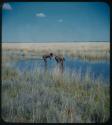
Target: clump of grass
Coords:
[[90, 54], [53, 97], [9, 73]]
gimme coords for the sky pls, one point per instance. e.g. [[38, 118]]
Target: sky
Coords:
[[55, 21]]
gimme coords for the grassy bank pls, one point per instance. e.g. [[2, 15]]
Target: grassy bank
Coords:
[[53, 97]]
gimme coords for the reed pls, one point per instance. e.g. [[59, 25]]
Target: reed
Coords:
[[53, 97]]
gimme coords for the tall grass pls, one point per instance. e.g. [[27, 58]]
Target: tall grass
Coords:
[[53, 97]]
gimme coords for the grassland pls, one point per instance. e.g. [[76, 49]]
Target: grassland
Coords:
[[52, 97], [88, 50]]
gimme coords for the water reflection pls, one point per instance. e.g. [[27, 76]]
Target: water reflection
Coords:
[[98, 68]]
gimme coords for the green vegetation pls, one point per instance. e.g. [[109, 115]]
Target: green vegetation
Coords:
[[52, 97]]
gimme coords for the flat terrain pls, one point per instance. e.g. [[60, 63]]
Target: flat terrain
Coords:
[[84, 50], [71, 45], [37, 96]]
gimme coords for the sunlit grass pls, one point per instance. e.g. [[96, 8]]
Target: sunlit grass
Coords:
[[83, 50], [53, 97]]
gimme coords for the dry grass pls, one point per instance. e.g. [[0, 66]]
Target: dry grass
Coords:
[[57, 46], [56, 98], [84, 50]]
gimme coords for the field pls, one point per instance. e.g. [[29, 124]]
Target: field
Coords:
[[54, 97], [88, 50]]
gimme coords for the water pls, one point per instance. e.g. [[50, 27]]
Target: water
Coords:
[[97, 68]]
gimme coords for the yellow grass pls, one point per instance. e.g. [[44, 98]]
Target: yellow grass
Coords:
[[57, 46], [94, 50]]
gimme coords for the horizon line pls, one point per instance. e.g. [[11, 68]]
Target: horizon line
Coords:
[[55, 41]]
